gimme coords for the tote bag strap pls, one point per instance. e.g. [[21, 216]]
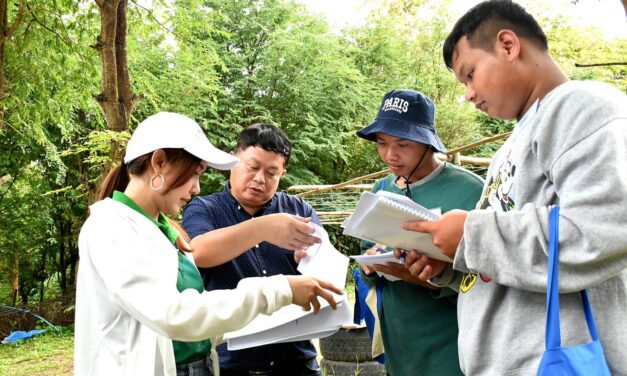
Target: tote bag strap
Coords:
[[553, 336]]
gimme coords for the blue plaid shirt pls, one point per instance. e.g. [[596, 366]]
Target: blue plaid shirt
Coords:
[[219, 210]]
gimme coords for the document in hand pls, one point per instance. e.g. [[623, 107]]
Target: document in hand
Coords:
[[378, 259], [378, 218], [291, 323]]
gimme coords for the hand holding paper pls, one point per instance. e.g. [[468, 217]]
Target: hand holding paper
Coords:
[[376, 249], [288, 231], [447, 232], [379, 218], [399, 271], [421, 267], [306, 289], [370, 261], [323, 263]]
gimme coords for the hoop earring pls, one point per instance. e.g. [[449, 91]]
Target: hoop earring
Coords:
[[152, 181]]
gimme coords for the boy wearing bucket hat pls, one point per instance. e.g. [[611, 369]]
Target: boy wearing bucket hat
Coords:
[[418, 322], [140, 303]]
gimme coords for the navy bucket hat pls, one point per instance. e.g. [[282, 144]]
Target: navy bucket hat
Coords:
[[406, 114]]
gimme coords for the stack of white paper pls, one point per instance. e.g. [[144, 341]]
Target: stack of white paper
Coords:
[[291, 323]]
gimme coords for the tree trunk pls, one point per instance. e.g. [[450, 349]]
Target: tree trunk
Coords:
[[15, 278], [68, 256], [24, 292], [116, 98], [61, 264]]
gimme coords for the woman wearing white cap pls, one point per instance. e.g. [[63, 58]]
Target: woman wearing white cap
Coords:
[[141, 308]]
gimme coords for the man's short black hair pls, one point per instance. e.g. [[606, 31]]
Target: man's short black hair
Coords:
[[481, 24], [266, 136]]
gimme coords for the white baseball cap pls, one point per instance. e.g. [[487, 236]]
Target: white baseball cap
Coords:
[[168, 130]]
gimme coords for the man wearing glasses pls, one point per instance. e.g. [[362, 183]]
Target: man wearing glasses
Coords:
[[251, 230]]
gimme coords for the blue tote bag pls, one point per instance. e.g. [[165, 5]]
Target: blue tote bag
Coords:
[[587, 359]]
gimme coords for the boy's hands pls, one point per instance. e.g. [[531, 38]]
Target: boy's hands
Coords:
[[447, 232], [420, 266], [400, 270], [377, 248]]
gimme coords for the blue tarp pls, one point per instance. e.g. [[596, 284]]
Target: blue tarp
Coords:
[[20, 335]]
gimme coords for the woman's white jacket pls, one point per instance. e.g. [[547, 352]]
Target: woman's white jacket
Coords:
[[128, 308]]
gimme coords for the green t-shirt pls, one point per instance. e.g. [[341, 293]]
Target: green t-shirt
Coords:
[[419, 326], [188, 278]]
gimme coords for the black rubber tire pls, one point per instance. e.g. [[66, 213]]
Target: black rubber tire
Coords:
[[336, 368], [347, 345]]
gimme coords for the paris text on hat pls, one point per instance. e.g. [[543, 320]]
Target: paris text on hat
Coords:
[[406, 114]]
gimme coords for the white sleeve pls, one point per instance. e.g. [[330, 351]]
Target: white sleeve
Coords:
[[134, 275]]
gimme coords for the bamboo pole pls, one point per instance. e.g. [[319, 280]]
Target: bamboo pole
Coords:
[[473, 161], [479, 143], [344, 184], [304, 187], [453, 154], [314, 189]]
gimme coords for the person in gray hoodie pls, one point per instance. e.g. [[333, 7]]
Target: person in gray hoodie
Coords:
[[569, 148]]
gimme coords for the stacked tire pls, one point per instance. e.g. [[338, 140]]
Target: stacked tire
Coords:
[[348, 353]]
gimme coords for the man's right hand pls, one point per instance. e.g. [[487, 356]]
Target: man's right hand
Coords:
[[288, 231], [306, 289], [221, 245]]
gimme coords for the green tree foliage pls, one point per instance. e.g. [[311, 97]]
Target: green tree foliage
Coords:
[[401, 47], [283, 66], [227, 64], [174, 65], [50, 76]]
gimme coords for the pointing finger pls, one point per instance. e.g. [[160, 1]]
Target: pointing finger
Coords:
[[329, 286], [418, 226]]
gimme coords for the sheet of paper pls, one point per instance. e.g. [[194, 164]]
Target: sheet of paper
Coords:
[[325, 262], [307, 326], [433, 214], [291, 323], [380, 259]]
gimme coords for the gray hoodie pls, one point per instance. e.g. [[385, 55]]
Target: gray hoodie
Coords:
[[572, 152]]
